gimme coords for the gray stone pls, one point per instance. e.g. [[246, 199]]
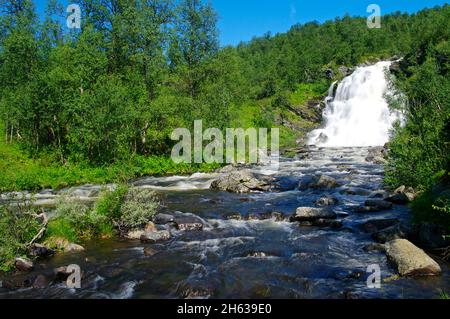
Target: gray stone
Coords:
[[318, 182], [24, 264], [327, 201], [410, 260], [304, 214], [242, 181], [38, 250], [155, 237], [162, 219]]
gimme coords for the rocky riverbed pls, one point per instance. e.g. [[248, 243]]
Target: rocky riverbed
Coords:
[[308, 230]]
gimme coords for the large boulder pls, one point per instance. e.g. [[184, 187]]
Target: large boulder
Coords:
[[318, 182], [162, 219], [327, 201], [24, 264], [410, 260], [374, 205], [242, 181], [377, 155], [188, 223], [402, 196], [38, 250], [310, 214], [155, 237]]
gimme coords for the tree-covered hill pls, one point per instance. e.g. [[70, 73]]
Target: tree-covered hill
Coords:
[[113, 91]]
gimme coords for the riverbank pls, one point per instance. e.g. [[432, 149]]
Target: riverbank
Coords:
[[267, 243], [20, 172]]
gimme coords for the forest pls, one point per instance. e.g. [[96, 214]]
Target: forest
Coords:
[[99, 103]]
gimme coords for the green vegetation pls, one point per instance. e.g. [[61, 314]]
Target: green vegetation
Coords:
[[99, 104], [419, 154], [114, 213], [18, 226]]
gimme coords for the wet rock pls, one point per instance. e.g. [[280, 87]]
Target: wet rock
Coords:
[[24, 264], [71, 247], [379, 194], [402, 196], [374, 248], [233, 216], [254, 217], [62, 244], [278, 217], [41, 282], [410, 260], [327, 201], [163, 219], [257, 255], [376, 225], [135, 234], [329, 74], [356, 191], [429, 235], [374, 205], [398, 231], [284, 184], [187, 222], [149, 251], [312, 214], [150, 227], [377, 155], [335, 224], [395, 68], [155, 237], [318, 182], [38, 250], [345, 71], [242, 181], [61, 273]]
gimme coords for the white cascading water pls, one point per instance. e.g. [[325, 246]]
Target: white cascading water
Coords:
[[358, 115]]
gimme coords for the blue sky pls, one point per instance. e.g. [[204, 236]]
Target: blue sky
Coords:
[[240, 20]]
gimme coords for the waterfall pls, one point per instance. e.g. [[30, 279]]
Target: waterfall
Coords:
[[358, 114]]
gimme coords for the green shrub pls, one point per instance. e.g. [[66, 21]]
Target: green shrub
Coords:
[[17, 229], [110, 202], [139, 207]]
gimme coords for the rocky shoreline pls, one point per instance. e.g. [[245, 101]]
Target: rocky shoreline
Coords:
[[399, 240]]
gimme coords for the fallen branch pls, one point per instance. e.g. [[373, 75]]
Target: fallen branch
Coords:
[[43, 229]]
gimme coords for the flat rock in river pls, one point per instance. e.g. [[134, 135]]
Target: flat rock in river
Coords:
[[242, 181], [305, 214], [410, 260], [318, 182]]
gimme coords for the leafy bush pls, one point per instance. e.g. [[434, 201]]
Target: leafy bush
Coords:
[[139, 207], [110, 202], [17, 229]]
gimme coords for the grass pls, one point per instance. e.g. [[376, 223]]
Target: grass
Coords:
[[18, 171]]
